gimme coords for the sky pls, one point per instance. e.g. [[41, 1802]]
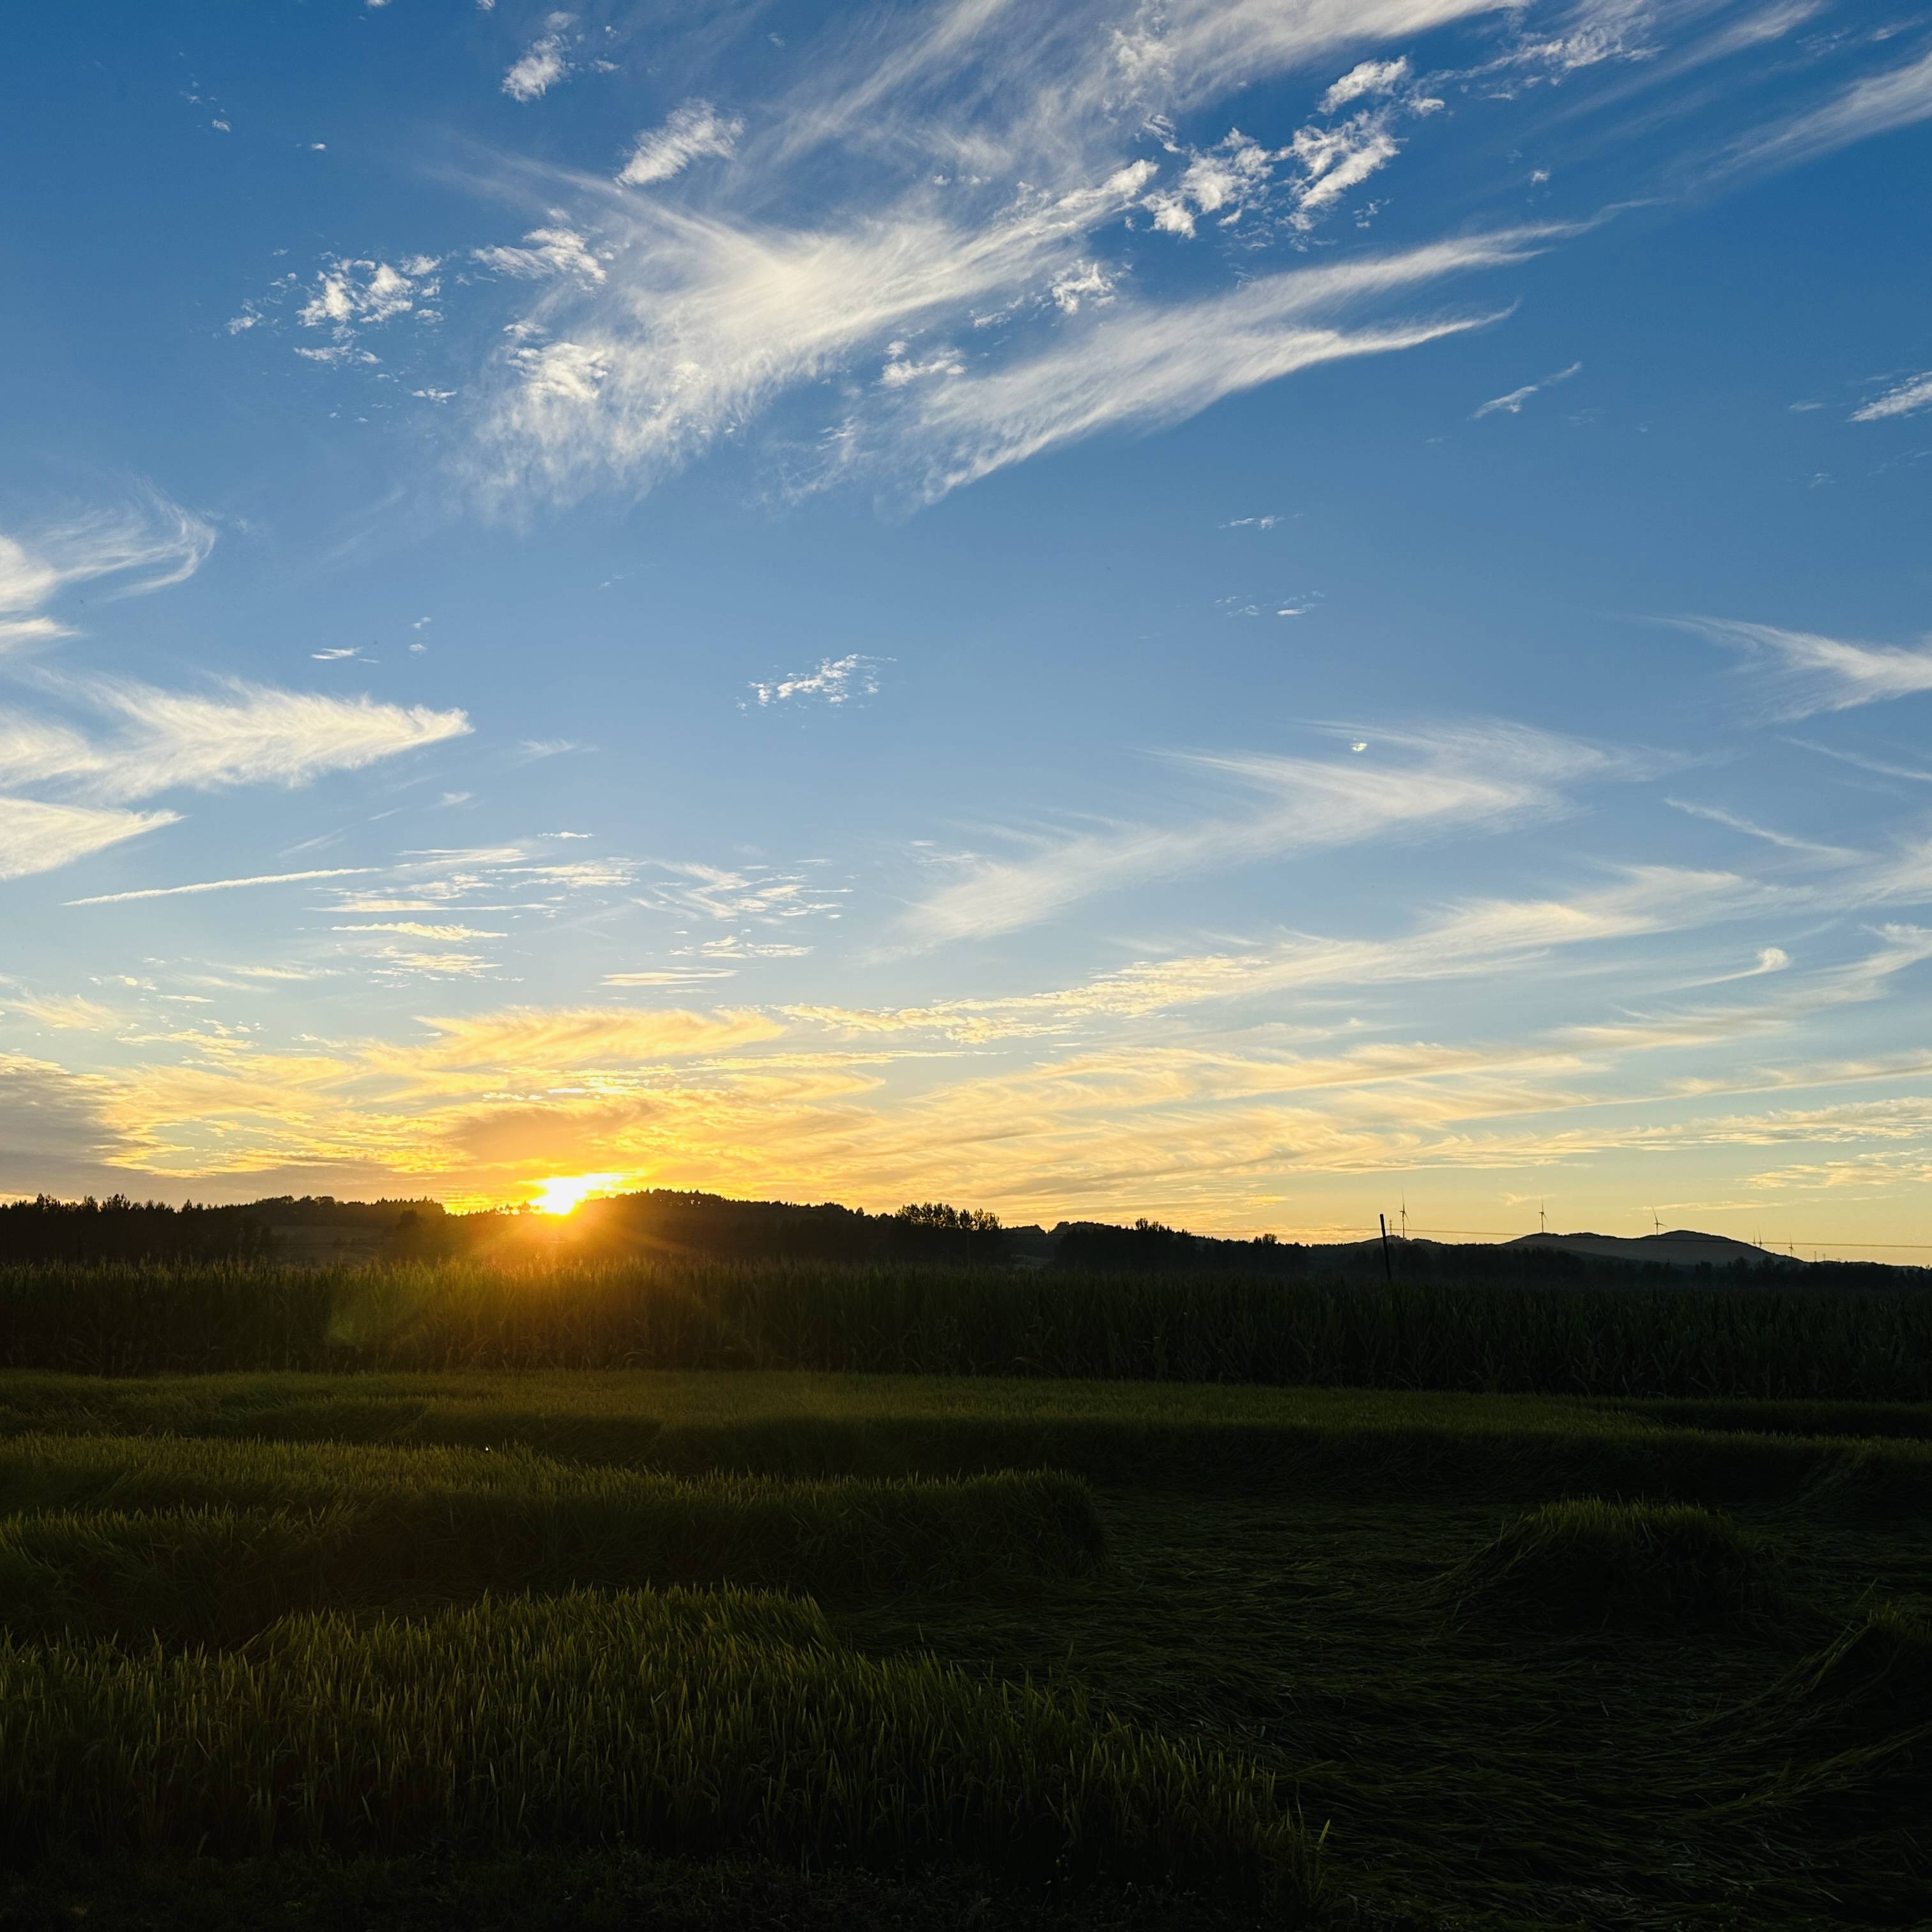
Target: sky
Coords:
[[1258, 612]]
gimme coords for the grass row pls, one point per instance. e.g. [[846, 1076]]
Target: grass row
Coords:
[[713, 1723], [1587, 1562], [1216, 1437], [209, 1541], [1687, 1342]]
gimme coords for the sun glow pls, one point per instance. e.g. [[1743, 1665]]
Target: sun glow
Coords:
[[562, 1191]]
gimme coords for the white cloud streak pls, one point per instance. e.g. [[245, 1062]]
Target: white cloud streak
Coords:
[[691, 133], [708, 314], [38, 837], [222, 885], [252, 735], [1809, 673], [1512, 403], [1150, 365], [148, 544], [1486, 775], [1902, 399], [1878, 104], [702, 324], [1199, 49], [1369, 76], [1480, 936], [1736, 821], [546, 252]]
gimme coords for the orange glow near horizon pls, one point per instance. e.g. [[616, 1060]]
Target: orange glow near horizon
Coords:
[[561, 1192]]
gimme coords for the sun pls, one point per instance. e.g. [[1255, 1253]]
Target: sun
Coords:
[[562, 1191]]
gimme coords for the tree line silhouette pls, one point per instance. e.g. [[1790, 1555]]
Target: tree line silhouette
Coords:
[[665, 1221]]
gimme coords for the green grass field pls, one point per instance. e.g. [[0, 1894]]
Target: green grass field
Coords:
[[696, 1650]]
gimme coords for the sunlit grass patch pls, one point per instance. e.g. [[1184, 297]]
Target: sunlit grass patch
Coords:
[[1213, 1437], [204, 1541], [711, 1722]]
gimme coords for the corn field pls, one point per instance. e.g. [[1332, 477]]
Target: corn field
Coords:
[[1755, 1344]]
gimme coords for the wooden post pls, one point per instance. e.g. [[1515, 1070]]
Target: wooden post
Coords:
[[1388, 1259]]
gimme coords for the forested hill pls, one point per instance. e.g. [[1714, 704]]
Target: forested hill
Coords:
[[312, 1231], [118, 1229]]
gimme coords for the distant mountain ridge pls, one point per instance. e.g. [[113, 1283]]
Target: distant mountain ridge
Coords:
[[1679, 1247]]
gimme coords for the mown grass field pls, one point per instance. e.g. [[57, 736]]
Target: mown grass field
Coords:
[[681, 1648]]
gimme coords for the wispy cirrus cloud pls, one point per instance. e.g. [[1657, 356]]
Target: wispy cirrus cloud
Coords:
[[1512, 403], [38, 837], [710, 312], [222, 885], [251, 734], [417, 929], [699, 327], [1884, 768], [1736, 821], [749, 894], [1875, 104], [554, 1040], [61, 1012], [977, 180], [144, 545], [668, 976], [1156, 364], [167, 741], [1263, 805], [702, 323], [1808, 673], [1479, 936]]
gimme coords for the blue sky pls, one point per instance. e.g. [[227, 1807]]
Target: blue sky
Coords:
[[1240, 611]]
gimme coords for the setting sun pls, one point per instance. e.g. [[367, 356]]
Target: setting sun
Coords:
[[561, 1192]]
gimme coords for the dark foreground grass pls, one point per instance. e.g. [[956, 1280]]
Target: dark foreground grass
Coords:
[[1683, 1754], [1503, 1770], [683, 1313], [537, 1889], [209, 1541], [703, 1724]]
